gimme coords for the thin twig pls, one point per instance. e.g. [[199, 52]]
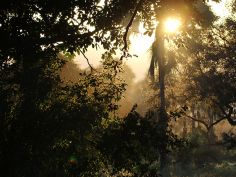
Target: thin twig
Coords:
[[227, 115], [216, 122], [128, 27], [92, 69], [204, 123], [195, 119]]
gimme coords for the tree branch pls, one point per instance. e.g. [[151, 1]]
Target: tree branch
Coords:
[[204, 123], [228, 115], [92, 69], [128, 27], [198, 120], [216, 122]]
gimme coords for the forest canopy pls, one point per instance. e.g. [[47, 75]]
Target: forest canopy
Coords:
[[52, 125]]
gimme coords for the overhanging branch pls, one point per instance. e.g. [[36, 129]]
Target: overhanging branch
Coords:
[[125, 48], [197, 120], [228, 115], [216, 122], [92, 69]]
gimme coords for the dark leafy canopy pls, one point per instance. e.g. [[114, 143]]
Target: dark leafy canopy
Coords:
[[41, 131], [42, 121], [30, 26], [33, 32], [39, 116], [213, 70], [136, 144], [35, 26]]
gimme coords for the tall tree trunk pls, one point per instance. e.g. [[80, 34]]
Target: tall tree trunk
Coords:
[[198, 117], [193, 115], [163, 119], [184, 128], [211, 134]]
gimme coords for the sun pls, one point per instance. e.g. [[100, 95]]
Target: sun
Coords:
[[172, 25]]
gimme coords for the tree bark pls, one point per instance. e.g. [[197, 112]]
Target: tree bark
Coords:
[[193, 115], [163, 119], [211, 134]]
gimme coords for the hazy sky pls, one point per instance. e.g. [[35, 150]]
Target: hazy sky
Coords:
[[222, 9]]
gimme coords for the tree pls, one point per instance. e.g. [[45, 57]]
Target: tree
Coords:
[[158, 50], [134, 143], [213, 71], [41, 117], [33, 32], [63, 123], [39, 26]]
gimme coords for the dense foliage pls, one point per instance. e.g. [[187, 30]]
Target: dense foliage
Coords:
[[137, 142], [51, 127]]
